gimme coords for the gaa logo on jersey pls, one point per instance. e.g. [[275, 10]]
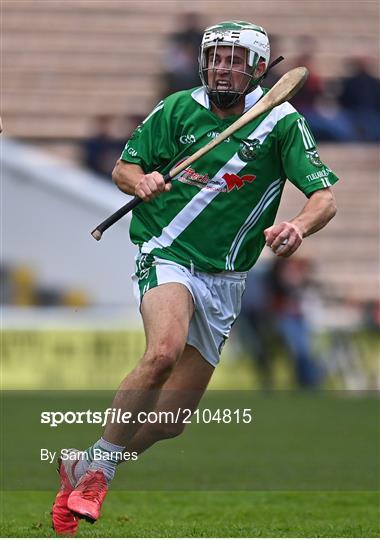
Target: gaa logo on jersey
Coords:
[[313, 156], [187, 139], [248, 149]]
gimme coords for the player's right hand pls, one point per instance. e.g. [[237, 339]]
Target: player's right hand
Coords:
[[151, 185]]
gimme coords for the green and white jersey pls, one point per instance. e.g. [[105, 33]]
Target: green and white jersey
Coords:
[[215, 214]]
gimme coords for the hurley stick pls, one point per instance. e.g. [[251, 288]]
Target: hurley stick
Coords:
[[283, 90]]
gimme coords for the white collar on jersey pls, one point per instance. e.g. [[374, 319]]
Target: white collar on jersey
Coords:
[[200, 96]]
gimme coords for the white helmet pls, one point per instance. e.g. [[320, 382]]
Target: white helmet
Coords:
[[233, 34]]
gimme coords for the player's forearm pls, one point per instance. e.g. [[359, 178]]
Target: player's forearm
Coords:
[[316, 213], [126, 176]]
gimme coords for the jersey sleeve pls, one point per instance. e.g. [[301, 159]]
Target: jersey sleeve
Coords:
[[149, 145], [300, 159]]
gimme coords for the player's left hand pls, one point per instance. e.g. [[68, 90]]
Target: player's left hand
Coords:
[[283, 239]]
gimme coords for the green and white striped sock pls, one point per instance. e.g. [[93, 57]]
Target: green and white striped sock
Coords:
[[82, 465], [105, 456]]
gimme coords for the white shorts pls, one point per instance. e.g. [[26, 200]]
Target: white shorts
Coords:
[[217, 299]]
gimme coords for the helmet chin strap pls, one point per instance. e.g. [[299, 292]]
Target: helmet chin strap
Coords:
[[272, 64], [225, 100]]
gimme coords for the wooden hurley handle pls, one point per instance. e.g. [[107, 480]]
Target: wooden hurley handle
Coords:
[[283, 90]]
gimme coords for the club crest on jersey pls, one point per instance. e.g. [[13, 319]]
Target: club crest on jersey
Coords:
[[248, 149], [314, 158]]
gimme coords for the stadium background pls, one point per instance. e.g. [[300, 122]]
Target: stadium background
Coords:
[[68, 317], [65, 63]]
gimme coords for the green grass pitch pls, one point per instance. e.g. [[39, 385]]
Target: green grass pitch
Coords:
[[206, 514], [307, 466]]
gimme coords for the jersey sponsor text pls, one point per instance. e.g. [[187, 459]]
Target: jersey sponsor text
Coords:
[[234, 180]]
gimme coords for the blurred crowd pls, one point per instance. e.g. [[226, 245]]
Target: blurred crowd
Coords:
[[343, 110], [285, 314], [283, 307]]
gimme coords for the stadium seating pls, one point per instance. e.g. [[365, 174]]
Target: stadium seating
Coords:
[[66, 61], [347, 253]]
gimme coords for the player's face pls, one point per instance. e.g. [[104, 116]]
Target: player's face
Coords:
[[227, 71]]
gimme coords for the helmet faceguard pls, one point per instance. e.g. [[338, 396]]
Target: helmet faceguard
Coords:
[[235, 34]]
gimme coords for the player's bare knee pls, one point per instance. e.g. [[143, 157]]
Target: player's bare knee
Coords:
[[158, 365], [161, 368]]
